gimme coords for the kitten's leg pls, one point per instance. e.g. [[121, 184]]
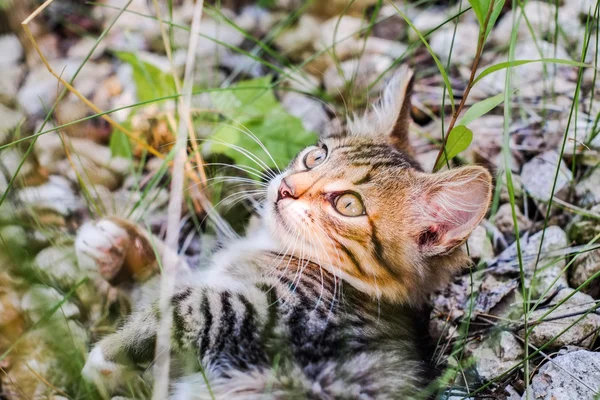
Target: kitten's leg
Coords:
[[224, 324], [112, 361]]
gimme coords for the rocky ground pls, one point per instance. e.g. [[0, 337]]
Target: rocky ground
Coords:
[[61, 165]]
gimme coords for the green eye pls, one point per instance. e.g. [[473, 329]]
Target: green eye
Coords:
[[315, 157], [350, 205]]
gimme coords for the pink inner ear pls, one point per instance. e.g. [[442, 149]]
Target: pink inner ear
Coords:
[[453, 210]]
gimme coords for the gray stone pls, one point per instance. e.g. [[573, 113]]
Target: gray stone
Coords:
[[59, 265], [584, 228], [39, 300], [548, 274], [357, 73], [310, 111], [9, 120], [580, 334], [497, 354], [571, 376], [538, 175], [55, 195], [587, 190], [11, 51], [464, 48], [480, 245], [505, 223], [584, 267]]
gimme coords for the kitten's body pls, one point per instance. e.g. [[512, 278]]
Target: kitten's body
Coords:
[[322, 300]]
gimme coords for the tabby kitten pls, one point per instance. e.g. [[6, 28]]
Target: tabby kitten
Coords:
[[322, 300]]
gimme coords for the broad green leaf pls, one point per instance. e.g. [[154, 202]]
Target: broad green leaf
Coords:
[[516, 63], [151, 82], [437, 61], [257, 111], [459, 139], [119, 144], [481, 108]]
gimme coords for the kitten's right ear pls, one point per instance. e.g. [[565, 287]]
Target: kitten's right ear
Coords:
[[449, 206]]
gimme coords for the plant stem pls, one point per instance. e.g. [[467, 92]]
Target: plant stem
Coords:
[[478, 53]]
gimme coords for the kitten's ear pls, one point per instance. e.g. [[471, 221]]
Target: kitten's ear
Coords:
[[450, 206], [391, 116], [395, 106]]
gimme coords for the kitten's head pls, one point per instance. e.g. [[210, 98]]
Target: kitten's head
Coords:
[[359, 205]]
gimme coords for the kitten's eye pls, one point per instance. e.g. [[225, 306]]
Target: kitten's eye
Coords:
[[315, 157], [350, 205]]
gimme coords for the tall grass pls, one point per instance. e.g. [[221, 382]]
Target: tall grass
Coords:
[[456, 376]]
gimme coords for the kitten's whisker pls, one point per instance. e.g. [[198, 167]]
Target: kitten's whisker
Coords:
[[333, 265], [252, 157], [257, 140], [245, 168]]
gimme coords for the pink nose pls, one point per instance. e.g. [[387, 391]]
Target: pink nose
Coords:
[[285, 191]]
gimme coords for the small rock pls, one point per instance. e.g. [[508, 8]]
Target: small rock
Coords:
[[571, 376], [310, 111], [391, 26], [538, 174], [583, 229], [504, 221], [580, 334], [82, 48], [480, 245], [9, 120], [299, 37], [585, 266], [11, 50], [497, 354], [361, 73], [464, 48], [587, 190], [549, 275], [40, 88], [300, 80], [442, 330], [39, 300], [427, 20], [59, 265], [491, 292], [56, 195]]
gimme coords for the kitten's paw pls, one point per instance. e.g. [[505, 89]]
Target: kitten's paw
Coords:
[[105, 374], [102, 245]]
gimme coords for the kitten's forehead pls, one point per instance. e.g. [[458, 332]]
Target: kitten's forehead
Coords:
[[360, 151]]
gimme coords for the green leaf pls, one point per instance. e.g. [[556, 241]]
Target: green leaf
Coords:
[[437, 61], [257, 110], [459, 139], [151, 82], [481, 9], [119, 145], [498, 5], [481, 108], [516, 63]]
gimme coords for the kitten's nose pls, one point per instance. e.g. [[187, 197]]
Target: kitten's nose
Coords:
[[285, 191]]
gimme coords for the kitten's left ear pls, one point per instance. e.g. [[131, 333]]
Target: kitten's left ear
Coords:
[[390, 117], [449, 206], [395, 107]]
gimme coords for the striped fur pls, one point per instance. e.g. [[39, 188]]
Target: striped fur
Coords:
[[313, 303]]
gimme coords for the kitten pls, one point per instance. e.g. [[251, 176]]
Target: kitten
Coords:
[[323, 299]]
